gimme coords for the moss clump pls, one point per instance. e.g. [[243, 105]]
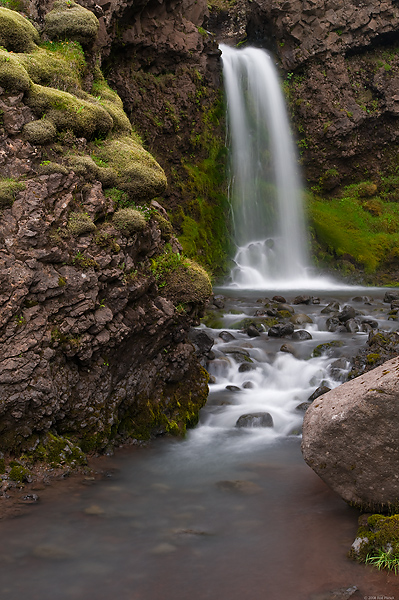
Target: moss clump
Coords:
[[59, 65], [376, 534], [373, 358], [71, 21], [80, 223], [181, 279], [8, 190], [40, 132], [84, 262], [13, 76], [17, 34], [129, 221], [67, 112], [18, 472], [110, 100], [58, 451], [328, 348], [136, 171], [48, 168], [164, 225]]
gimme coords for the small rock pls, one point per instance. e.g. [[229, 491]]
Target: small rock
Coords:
[[260, 419], [301, 335], [288, 348], [303, 406], [226, 336], [245, 367], [332, 307], [252, 331], [279, 299], [233, 388], [281, 330], [300, 318], [322, 389], [218, 301], [347, 313], [302, 300]]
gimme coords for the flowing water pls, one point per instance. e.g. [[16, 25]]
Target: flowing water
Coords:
[[265, 187], [229, 513]]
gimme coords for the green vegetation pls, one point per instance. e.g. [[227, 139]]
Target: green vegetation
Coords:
[[129, 221], [377, 541], [8, 189], [58, 451], [180, 278], [80, 223], [359, 225], [40, 132], [204, 221], [17, 34], [69, 21]]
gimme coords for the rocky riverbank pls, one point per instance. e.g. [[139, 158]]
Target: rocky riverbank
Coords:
[[96, 298]]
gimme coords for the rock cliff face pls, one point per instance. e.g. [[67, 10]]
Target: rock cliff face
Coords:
[[340, 64], [93, 325]]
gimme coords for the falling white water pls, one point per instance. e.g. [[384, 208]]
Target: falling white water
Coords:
[[265, 188]]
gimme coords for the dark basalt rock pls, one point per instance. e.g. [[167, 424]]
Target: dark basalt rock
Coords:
[[226, 336], [301, 335], [260, 419], [282, 330]]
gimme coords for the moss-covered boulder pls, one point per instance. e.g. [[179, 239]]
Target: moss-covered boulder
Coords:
[[189, 282], [136, 170], [80, 223], [40, 132], [67, 112], [71, 21], [129, 221], [17, 34], [13, 76]]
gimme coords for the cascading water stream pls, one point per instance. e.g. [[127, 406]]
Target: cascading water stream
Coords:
[[265, 188]]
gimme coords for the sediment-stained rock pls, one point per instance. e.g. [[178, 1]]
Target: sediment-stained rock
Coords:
[[350, 438]]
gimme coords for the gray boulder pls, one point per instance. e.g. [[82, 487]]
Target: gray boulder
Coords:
[[260, 419], [350, 438]]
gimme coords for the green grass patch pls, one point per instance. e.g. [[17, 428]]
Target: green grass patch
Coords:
[[356, 225]]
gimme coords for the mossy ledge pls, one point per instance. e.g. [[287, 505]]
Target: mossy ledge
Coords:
[[113, 362]]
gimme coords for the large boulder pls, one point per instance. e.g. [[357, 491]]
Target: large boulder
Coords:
[[350, 438]]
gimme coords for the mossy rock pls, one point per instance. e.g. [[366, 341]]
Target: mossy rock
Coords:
[[67, 112], [328, 348], [80, 223], [49, 167], [137, 171], [129, 221], [58, 451], [164, 225], [13, 76], [8, 190], [40, 132], [17, 34], [61, 66], [18, 473], [376, 533], [188, 283], [70, 21]]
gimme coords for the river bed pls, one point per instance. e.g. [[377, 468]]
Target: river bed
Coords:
[[227, 513]]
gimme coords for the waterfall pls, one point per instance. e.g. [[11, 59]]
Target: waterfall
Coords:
[[265, 188]]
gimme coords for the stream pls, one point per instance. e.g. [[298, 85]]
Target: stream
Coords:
[[227, 513]]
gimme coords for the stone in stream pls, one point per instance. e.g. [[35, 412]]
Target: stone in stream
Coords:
[[350, 438], [226, 336], [233, 388], [352, 325], [333, 324], [279, 299], [218, 301], [282, 330], [300, 319], [252, 331], [302, 300], [348, 312], [322, 389], [303, 406], [245, 367], [301, 335], [201, 341], [391, 296], [259, 419], [288, 348], [332, 307]]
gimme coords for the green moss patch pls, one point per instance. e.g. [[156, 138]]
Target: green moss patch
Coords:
[[80, 223], [137, 172], [58, 451], [181, 279], [356, 226], [377, 541], [129, 221], [8, 190], [17, 34], [40, 132], [13, 76], [70, 21], [66, 111]]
